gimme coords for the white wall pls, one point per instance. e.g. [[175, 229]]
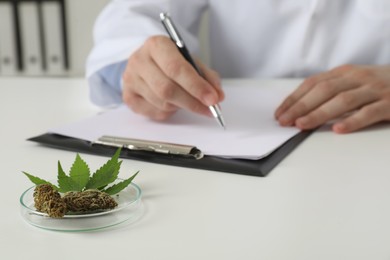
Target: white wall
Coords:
[[203, 38], [81, 17]]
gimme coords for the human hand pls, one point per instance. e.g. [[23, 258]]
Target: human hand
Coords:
[[158, 81], [359, 94]]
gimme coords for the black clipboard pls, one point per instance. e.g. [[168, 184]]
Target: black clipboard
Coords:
[[260, 168]]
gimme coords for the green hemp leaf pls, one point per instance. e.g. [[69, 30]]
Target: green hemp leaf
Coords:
[[79, 173], [65, 182], [116, 188], [38, 181], [106, 174], [79, 178]]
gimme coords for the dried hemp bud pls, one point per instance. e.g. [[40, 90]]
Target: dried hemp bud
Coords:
[[48, 200], [88, 200]]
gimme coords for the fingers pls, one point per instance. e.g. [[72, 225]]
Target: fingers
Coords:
[[164, 93], [214, 79], [175, 67], [158, 81], [142, 101], [339, 105], [307, 85], [314, 100], [139, 105], [362, 93], [368, 115], [148, 74]]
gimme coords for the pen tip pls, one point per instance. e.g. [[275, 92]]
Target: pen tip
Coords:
[[221, 122]]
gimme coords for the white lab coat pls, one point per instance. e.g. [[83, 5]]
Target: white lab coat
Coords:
[[249, 38]]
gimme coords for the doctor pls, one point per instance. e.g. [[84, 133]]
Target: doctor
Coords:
[[342, 48]]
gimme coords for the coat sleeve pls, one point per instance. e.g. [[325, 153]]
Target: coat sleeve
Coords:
[[123, 26]]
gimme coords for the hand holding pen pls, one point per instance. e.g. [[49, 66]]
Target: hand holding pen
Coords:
[[176, 38], [158, 81]]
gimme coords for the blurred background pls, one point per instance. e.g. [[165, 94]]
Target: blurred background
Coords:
[[46, 37], [53, 38]]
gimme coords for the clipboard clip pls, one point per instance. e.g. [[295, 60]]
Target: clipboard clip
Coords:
[[151, 146]]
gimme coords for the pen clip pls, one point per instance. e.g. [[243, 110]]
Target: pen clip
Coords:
[[150, 146], [171, 29]]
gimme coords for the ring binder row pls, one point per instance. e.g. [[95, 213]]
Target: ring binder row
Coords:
[[33, 38]]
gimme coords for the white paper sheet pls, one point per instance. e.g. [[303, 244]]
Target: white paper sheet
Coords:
[[251, 130]]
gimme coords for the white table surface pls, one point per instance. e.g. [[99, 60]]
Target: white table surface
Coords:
[[329, 199]]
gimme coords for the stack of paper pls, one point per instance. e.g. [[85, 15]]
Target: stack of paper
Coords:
[[251, 130]]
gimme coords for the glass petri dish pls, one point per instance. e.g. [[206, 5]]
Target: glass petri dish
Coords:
[[129, 209]]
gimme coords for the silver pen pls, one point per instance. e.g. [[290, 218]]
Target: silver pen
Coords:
[[176, 38]]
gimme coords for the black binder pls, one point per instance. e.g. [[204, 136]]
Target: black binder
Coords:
[[260, 168]]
